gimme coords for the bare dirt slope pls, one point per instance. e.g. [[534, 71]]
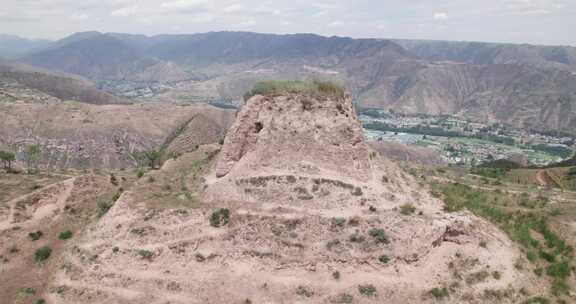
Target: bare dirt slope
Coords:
[[77, 135], [36, 220], [310, 215]]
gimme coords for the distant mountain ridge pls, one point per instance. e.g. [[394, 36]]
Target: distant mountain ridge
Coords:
[[563, 57], [523, 85], [12, 46]]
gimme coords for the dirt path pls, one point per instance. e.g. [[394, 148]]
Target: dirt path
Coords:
[[41, 211]]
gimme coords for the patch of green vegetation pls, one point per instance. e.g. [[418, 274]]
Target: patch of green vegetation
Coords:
[[367, 290], [42, 254], [40, 301], [336, 275], [146, 254], [304, 291], [357, 238], [28, 290], [384, 259], [104, 206], [520, 225], [439, 292], [407, 209], [64, 235], [559, 151], [220, 217], [489, 172], [379, 235], [339, 222], [34, 236], [275, 87]]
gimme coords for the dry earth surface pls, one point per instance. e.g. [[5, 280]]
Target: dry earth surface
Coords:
[[79, 135], [293, 208]]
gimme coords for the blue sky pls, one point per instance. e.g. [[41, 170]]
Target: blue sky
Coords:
[[517, 21]]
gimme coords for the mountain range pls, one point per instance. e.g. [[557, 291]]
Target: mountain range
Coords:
[[523, 85]]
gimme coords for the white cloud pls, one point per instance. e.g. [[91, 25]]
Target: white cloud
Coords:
[[183, 4], [336, 23], [233, 8], [125, 11], [440, 16], [249, 22], [79, 17]]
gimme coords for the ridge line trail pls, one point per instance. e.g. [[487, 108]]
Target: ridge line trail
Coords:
[[59, 200]]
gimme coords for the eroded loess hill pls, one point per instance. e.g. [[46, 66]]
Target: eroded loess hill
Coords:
[[295, 208], [77, 135]]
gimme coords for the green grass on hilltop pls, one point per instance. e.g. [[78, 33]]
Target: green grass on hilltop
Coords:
[[306, 87]]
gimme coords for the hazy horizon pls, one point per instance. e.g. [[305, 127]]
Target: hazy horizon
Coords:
[[539, 22]]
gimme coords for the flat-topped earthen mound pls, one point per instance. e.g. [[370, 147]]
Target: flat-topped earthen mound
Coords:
[[295, 208]]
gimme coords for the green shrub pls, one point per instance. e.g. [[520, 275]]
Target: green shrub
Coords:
[[220, 217], [304, 291], [379, 235], [384, 259], [336, 275], [357, 238], [64, 235], [559, 269], [34, 236], [42, 254], [367, 290], [407, 209], [103, 208], [40, 301], [439, 293], [275, 87], [29, 290], [496, 275], [140, 173], [146, 254], [547, 256], [339, 221]]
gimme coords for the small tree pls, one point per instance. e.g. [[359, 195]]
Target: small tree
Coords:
[[7, 158], [153, 157], [150, 158], [32, 156]]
